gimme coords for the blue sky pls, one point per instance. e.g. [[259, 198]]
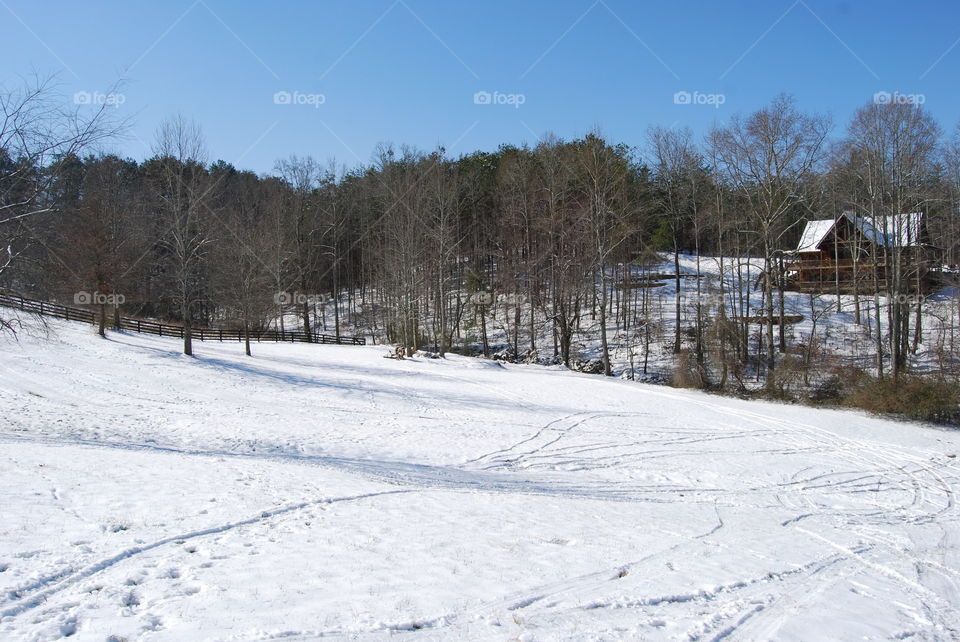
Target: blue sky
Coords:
[[407, 71]]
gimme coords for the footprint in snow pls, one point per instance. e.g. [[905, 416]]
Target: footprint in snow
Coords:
[[68, 627], [153, 623]]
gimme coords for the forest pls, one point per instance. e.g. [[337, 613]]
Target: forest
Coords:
[[556, 252]]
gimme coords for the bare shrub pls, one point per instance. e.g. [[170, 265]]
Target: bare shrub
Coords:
[[920, 398], [686, 372]]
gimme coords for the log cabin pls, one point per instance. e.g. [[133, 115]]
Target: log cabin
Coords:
[[863, 255]]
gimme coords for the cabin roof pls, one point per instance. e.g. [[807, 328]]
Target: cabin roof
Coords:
[[899, 230], [813, 235]]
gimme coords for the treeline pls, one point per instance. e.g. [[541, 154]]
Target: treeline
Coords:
[[425, 249]]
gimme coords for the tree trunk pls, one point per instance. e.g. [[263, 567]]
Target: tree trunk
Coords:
[[676, 297], [768, 299], [605, 350], [305, 313]]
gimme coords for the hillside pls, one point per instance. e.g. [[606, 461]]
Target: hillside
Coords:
[[838, 340], [314, 491]]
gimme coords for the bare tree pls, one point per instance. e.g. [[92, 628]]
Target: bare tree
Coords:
[[99, 240], [303, 175], [38, 133], [604, 176], [240, 275], [895, 145], [769, 158], [182, 189], [678, 177]]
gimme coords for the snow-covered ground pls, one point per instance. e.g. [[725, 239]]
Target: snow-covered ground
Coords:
[[317, 491]]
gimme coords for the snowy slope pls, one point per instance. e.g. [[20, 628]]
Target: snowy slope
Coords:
[[837, 336], [317, 491]]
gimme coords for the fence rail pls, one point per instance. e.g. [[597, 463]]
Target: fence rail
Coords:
[[59, 311]]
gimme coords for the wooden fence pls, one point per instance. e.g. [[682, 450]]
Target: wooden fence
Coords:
[[85, 315]]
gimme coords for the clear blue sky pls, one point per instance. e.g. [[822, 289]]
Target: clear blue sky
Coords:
[[407, 71]]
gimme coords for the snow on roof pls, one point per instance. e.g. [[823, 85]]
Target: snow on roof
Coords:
[[813, 235], [899, 230]]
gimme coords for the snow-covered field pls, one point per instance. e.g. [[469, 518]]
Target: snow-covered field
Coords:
[[324, 491]]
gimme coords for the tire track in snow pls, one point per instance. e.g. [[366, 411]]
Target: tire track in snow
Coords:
[[919, 589], [400, 473], [893, 457], [34, 594], [858, 452], [521, 600], [775, 607], [898, 468], [540, 434], [526, 440], [495, 459]]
